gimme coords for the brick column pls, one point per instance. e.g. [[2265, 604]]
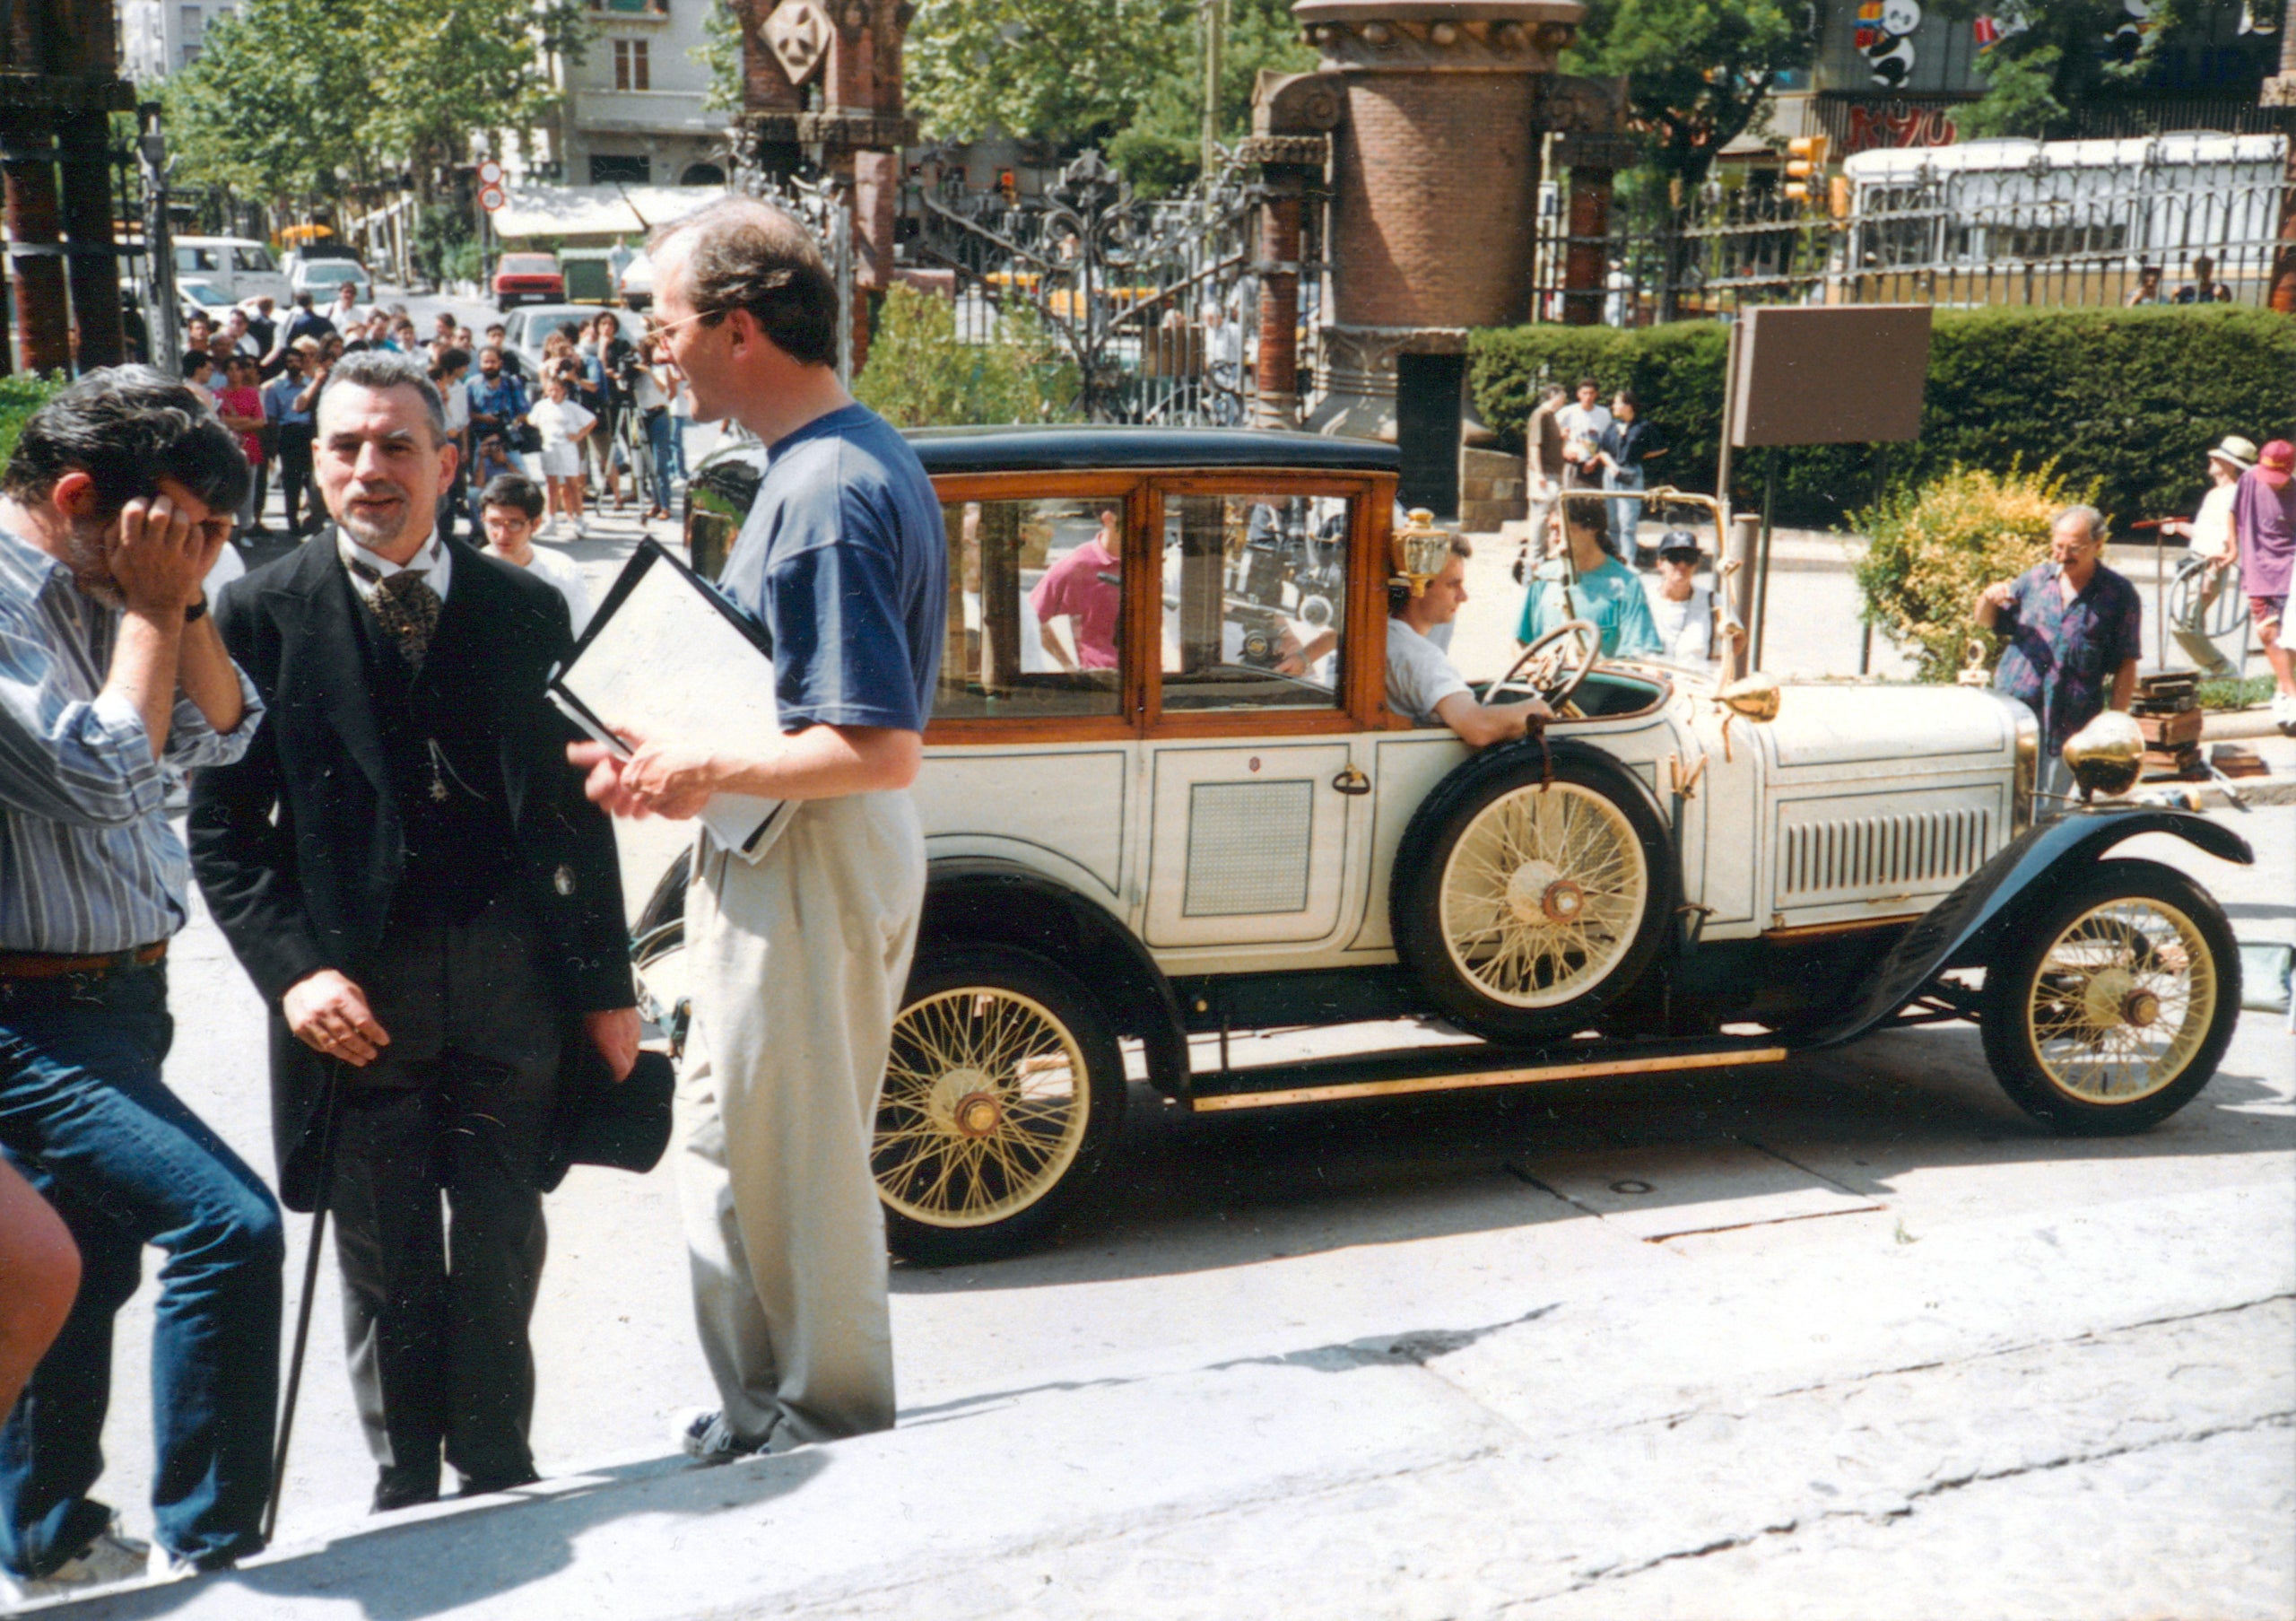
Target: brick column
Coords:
[[1585, 268], [28, 193], [2280, 91], [1287, 163]]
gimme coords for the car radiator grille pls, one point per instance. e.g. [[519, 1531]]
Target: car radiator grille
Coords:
[[1824, 859]]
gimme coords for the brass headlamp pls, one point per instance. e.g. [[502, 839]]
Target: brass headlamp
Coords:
[[1419, 551], [2106, 755]]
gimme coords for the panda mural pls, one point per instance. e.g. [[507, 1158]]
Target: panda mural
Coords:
[[1885, 30]]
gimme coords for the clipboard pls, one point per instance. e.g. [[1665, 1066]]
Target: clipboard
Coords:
[[667, 655]]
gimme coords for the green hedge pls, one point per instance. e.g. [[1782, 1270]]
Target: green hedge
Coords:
[[20, 394], [2129, 400]]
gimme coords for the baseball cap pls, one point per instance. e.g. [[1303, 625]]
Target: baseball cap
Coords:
[[2275, 461], [1677, 542], [2241, 452]]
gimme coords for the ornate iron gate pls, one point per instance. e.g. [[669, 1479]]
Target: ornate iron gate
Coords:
[[1155, 301]]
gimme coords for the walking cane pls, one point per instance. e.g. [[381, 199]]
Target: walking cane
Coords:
[[327, 1109]]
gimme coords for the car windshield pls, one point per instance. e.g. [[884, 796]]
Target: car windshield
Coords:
[[205, 293], [331, 273], [528, 264], [543, 319]]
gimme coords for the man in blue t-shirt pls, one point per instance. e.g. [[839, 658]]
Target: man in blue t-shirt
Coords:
[[800, 946]]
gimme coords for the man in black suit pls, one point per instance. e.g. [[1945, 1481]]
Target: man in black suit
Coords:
[[407, 868]]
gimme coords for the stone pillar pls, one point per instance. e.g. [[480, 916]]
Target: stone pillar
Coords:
[[1435, 175], [843, 58]]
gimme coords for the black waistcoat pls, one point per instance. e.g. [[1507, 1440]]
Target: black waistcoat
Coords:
[[446, 770]]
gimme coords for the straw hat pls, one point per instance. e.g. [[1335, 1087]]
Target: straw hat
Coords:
[[2241, 452]]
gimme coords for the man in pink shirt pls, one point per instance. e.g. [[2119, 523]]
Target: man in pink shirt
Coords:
[[1083, 588]]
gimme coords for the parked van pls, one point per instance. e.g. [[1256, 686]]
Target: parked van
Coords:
[[240, 265]]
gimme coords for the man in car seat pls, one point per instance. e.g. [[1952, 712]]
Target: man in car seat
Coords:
[[1423, 682]]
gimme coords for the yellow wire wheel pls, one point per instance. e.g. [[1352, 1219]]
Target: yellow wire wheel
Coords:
[[2112, 1010], [1543, 895], [1002, 1087], [1526, 899]]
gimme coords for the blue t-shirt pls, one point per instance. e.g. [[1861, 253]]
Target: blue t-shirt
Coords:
[[1608, 595], [844, 560]]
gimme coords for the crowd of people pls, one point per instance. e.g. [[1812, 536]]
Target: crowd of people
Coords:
[[411, 855], [262, 369]]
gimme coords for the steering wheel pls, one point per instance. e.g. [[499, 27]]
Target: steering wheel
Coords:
[[1552, 668]]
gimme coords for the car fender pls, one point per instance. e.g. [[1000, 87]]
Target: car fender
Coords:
[[1960, 930], [991, 899]]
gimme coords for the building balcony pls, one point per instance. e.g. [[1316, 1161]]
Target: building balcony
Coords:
[[664, 112]]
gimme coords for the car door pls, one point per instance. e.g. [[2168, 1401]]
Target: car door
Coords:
[[1252, 780]]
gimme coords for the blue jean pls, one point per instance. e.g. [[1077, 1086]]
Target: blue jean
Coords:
[[1624, 514], [661, 437], [85, 1115]]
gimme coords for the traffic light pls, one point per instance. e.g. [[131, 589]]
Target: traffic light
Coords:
[[1806, 165]]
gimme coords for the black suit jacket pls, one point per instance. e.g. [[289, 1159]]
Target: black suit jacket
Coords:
[[299, 845]]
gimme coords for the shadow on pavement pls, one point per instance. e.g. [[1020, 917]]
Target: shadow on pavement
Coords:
[[1198, 1193], [429, 1563]]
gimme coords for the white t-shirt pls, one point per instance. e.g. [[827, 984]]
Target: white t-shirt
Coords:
[[2212, 525], [559, 420], [456, 398], [1584, 423], [1685, 628], [562, 572], [1419, 675]]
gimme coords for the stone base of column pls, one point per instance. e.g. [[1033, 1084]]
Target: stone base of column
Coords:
[[1357, 400], [1275, 410]]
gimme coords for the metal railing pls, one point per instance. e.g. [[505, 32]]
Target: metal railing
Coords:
[[1932, 228]]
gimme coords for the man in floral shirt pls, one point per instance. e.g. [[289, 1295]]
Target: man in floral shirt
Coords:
[[2073, 629]]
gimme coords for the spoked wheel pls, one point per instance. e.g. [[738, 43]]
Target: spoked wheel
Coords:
[[1004, 1090], [2113, 1006], [1529, 905]]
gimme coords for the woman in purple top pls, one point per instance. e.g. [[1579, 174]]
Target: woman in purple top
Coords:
[[2264, 519], [2073, 629]]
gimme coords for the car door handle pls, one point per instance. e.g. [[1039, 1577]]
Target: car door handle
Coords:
[[1352, 781]]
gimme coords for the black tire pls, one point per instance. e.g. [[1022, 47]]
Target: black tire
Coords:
[[2070, 980], [1509, 974], [986, 1137]]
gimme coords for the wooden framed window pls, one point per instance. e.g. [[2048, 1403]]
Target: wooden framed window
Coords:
[[1196, 630], [631, 68]]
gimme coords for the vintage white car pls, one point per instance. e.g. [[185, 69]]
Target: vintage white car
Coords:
[[1164, 795]]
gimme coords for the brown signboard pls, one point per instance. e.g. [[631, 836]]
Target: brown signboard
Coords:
[[1842, 374]]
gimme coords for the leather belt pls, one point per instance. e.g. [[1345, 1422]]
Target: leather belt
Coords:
[[51, 965]]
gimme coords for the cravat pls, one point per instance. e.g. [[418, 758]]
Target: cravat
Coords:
[[406, 607]]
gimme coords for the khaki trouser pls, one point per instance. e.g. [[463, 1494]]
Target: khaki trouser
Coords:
[[798, 966]]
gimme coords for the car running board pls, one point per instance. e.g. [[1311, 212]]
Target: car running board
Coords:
[[1400, 1073]]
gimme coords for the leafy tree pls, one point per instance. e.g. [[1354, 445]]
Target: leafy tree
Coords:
[[1125, 74], [720, 51], [2058, 54], [1698, 71], [273, 105], [289, 97], [919, 374]]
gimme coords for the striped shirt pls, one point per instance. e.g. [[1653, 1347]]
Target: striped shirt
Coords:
[[88, 860]]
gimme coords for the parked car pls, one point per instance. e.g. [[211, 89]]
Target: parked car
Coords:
[[240, 266], [526, 330], [526, 278], [196, 295], [321, 277], [1220, 834], [636, 282]]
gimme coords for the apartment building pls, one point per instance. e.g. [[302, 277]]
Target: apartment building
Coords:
[[633, 105]]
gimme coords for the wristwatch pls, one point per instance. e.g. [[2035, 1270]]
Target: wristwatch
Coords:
[[197, 611]]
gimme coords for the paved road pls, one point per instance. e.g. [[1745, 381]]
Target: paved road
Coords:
[[1869, 1345]]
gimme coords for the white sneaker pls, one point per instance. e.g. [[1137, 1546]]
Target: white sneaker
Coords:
[[110, 1559], [2283, 712], [705, 1436], [582, 530]]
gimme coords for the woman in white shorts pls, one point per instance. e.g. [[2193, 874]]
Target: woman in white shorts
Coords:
[[564, 421]]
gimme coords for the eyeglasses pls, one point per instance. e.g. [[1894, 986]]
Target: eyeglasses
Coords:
[[661, 329]]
